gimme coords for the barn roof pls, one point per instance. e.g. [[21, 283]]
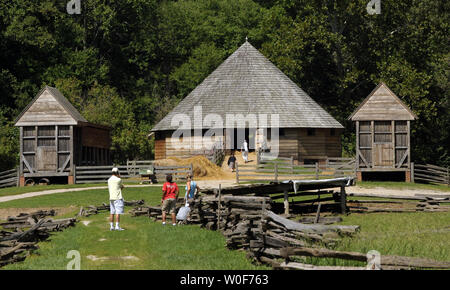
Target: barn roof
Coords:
[[382, 105], [248, 83], [49, 107]]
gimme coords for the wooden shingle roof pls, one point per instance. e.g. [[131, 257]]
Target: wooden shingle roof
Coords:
[[49, 107], [248, 83], [382, 105]]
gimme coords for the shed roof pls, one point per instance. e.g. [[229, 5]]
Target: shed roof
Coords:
[[382, 105], [248, 83], [49, 107]]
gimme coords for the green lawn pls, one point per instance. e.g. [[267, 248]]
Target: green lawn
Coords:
[[418, 234], [19, 190], [190, 247], [155, 246]]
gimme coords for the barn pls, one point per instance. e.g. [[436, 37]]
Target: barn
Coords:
[[249, 98], [54, 138], [383, 126]]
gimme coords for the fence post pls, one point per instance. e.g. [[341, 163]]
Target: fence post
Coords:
[[292, 164], [317, 170], [276, 171], [448, 177], [343, 200], [237, 172], [75, 175], [18, 177], [412, 172], [286, 202]]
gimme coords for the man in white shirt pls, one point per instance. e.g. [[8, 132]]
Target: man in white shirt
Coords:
[[244, 150], [115, 199]]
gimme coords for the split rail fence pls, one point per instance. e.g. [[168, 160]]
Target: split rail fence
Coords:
[[281, 169], [133, 169], [9, 178], [429, 173]]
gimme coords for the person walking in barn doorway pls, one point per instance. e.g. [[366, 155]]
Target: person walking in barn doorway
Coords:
[[116, 204], [244, 150]]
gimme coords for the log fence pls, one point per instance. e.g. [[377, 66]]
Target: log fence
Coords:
[[429, 173], [9, 178], [100, 174], [282, 169]]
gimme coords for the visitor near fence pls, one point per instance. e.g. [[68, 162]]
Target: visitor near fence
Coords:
[[169, 199], [116, 204], [232, 162], [192, 189]]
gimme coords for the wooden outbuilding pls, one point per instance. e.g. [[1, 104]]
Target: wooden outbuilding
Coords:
[[54, 138], [248, 85], [383, 124]]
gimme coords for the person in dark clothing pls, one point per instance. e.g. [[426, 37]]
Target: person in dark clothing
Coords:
[[232, 162]]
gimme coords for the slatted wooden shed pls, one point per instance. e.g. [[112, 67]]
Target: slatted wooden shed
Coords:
[[383, 125], [245, 84], [54, 138]]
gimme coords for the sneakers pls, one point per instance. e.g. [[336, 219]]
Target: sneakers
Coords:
[[111, 229], [119, 229]]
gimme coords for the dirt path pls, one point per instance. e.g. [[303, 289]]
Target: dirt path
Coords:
[[52, 191], [231, 182]]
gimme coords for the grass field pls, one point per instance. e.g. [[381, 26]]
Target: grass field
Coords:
[[149, 245]]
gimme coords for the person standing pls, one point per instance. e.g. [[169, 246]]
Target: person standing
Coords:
[[244, 150], [232, 162], [191, 189], [115, 187], [169, 199]]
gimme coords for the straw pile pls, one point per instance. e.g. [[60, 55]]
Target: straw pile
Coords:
[[202, 167]]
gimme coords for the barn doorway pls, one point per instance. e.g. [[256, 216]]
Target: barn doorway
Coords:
[[235, 138]]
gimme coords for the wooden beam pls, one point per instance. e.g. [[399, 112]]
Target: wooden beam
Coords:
[[372, 130], [403, 159], [286, 202], [21, 152], [362, 157], [358, 153]]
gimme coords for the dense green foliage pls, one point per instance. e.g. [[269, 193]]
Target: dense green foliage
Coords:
[[126, 63]]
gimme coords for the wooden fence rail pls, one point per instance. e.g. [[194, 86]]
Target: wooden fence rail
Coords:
[[100, 174], [282, 169], [9, 178], [429, 173]]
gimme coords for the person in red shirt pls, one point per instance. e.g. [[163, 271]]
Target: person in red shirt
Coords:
[[169, 199]]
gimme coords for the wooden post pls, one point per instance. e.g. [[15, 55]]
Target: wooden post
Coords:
[[317, 170], [286, 202], [357, 145], [276, 172], [21, 152], [292, 164], [412, 172], [343, 200], [316, 219], [18, 176], [219, 206], [237, 173]]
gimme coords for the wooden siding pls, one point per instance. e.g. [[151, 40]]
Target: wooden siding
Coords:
[[46, 110], [382, 144], [95, 137], [319, 146], [160, 149]]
